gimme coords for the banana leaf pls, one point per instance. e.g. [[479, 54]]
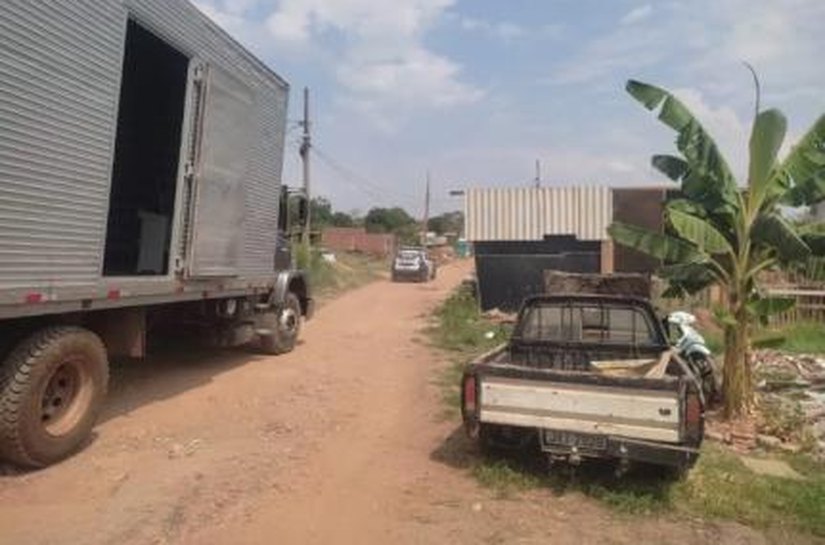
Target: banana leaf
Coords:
[[804, 168], [699, 231], [706, 174], [777, 233], [667, 248], [767, 135]]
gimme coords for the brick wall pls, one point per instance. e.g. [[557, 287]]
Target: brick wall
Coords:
[[354, 239]]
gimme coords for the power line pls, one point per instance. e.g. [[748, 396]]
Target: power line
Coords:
[[376, 191], [367, 186]]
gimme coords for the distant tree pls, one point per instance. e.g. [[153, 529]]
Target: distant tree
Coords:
[[388, 220], [342, 219], [320, 212], [449, 222]]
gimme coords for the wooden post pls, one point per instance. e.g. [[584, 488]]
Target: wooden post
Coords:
[[607, 257]]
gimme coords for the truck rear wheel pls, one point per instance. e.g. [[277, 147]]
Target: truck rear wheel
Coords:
[[285, 329], [52, 386]]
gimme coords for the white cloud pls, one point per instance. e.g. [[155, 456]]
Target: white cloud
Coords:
[[704, 40], [620, 166], [637, 14], [415, 75], [292, 26], [627, 49], [503, 30], [375, 50], [359, 19]]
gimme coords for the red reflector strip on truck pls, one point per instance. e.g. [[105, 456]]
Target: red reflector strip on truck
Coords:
[[470, 395], [34, 298], [113, 294], [693, 415]]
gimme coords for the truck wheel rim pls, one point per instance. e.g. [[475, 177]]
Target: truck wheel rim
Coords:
[[289, 321], [66, 398]]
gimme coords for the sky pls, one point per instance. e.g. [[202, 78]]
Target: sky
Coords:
[[475, 91]]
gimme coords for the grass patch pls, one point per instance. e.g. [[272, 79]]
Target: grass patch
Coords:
[[460, 329], [803, 337], [348, 271], [714, 340], [504, 477], [720, 486], [800, 338]]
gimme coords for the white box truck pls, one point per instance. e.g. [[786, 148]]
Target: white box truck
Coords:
[[140, 160]]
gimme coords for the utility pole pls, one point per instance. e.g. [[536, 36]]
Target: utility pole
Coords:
[[426, 210], [306, 143], [538, 173]]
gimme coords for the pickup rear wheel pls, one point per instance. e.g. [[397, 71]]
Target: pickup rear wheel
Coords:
[[285, 326], [52, 386]]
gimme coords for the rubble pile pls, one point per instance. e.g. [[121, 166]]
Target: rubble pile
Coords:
[[498, 316], [791, 394]]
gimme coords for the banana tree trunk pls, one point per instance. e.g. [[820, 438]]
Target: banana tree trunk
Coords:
[[738, 382]]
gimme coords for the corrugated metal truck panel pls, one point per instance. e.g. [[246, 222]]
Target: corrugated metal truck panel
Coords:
[[523, 213], [188, 29], [59, 81], [60, 72]]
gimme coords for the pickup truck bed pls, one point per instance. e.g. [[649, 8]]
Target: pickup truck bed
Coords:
[[579, 400]]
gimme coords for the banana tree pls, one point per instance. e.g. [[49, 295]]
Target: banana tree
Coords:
[[725, 233]]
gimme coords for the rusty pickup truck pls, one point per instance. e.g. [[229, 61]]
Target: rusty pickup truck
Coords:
[[587, 376]]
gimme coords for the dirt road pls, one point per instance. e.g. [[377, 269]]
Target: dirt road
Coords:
[[341, 441]]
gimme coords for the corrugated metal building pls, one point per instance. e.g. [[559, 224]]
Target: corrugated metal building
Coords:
[[519, 213], [519, 232]]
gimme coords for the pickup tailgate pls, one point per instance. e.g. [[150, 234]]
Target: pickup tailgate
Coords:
[[580, 402]]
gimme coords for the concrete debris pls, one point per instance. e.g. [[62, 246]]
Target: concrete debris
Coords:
[[768, 441], [772, 468], [499, 317], [780, 369], [740, 434], [791, 398]]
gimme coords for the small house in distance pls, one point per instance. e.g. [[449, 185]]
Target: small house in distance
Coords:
[[519, 232]]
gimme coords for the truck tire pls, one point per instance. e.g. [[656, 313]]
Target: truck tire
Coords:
[[285, 329], [52, 387]]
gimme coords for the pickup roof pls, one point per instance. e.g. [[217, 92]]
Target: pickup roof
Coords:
[[587, 376]]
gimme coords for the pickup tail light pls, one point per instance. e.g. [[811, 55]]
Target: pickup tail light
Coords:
[[469, 397], [694, 417]]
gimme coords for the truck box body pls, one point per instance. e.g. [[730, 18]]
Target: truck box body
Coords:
[[140, 157]]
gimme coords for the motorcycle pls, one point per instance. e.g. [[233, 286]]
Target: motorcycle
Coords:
[[694, 350]]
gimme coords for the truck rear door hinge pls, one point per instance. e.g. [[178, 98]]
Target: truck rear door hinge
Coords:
[[198, 73]]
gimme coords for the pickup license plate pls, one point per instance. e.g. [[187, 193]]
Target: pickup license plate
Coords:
[[572, 439]]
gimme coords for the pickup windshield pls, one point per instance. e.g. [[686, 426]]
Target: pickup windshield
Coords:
[[587, 324]]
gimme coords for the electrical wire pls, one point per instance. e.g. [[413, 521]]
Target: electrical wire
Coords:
[[367, 186]]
